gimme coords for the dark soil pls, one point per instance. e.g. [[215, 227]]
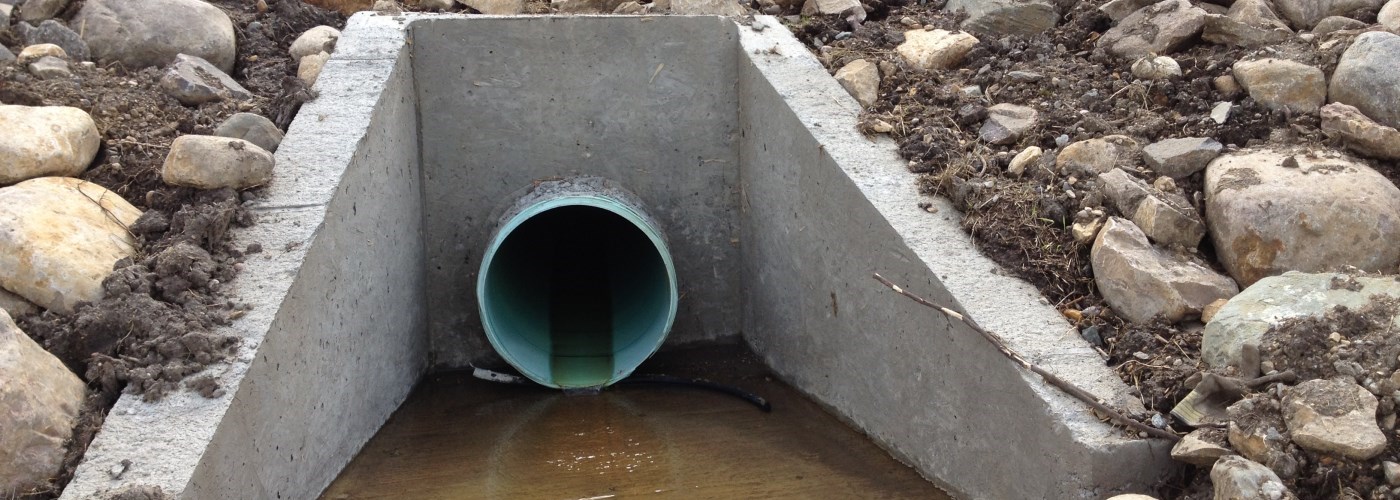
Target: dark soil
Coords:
[[154, 326]]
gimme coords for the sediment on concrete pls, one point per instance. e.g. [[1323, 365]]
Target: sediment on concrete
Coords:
[[744, 149]]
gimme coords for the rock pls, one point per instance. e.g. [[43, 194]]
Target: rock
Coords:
[[310, 67], [252, 128], [497, 7], [1179, 158], [631, 7], [153, 32], [56, 33], [1259, 435], [1220, 113], [1389, 16], [1025, 18], [1227, 86], [1095, 156], [1244, 320], [1159, 29], [1360, 133], [1248, 23], [1211, 309], [1271, 212], [1165, 184], [1132, 496], [1368, 78], [389, 7], [194, 81], [1124, 191], [1333, 417], [1168, 219], [1236, 478], [1025, 158], [39, 402], [1202, 447], [829, 7], [315, 41], [729, 8], [1283, 84], [1142, 282], [15, 305], [49, 67], [937, 49], [862, 80], [1334, 24], [211, 162], [1119, 9], [436, 5], [1156, 68], [1392, 472], [1006, 123], [1087, 224], [6, 57], [39, 10], [1304, 14], [35, 52], [46, 140], [57, 244]]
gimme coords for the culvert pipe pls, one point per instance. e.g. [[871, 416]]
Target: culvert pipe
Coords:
[[577, 286]]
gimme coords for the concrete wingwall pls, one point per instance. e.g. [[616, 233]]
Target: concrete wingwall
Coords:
[[648, 102], [336, 334], [823, 208]]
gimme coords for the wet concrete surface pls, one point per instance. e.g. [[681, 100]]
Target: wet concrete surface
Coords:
[[459, 437]]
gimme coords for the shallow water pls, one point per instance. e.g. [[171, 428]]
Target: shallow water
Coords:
[[458, 437]]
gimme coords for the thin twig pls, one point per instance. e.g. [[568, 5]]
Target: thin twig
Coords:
[[1050, 378]]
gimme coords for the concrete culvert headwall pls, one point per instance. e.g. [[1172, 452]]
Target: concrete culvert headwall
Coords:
[[775, 211]]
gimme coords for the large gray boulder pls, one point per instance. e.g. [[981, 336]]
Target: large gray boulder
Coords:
[[1025, 18], [1304, 14], [39, 403], [145, 33], [38, 10], [1246, 317], [1160, 29], [51, 31], [1141, 281], [1273, 211], [1368, 77]]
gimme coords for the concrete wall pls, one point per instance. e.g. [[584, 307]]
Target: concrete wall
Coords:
[[337, 334], [823, 209], [650, 102]]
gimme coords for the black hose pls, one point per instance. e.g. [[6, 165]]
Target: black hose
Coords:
[[757, 400]]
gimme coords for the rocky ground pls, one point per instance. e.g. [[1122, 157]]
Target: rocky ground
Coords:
[[1206, 190]]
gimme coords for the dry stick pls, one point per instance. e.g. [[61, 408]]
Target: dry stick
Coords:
[[1050, 378]]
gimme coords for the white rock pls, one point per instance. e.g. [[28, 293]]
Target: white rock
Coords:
[[1179, 158], [1198, 449], [1389, 17], [1006, 123], [1236, 478], [497, 7], [862, 80], [39, 50], [49, 67], [1272, 211], [1156, 68], [1025, 18], [46, 140], [310, 67], [1334, 24], [816, 7], [152, 32], [937, 49], [59, 238], [211, 162], [1368, 77], [1360, 133], [314, 41], [1141, 281], [1220, 113], [1333, 417], [39, 403], [1304, 14], [38, 10], [1280, 84], [1095, 156], [1245, 318], [1161, 28], [1392, 472], [15, 305], [1024, 159]]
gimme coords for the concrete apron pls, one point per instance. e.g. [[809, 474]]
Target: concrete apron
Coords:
[[778, 210]]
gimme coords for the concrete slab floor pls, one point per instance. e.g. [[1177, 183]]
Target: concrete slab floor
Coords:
[[631, 440]]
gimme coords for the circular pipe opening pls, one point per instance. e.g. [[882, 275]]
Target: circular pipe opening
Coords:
[[576, 291]]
